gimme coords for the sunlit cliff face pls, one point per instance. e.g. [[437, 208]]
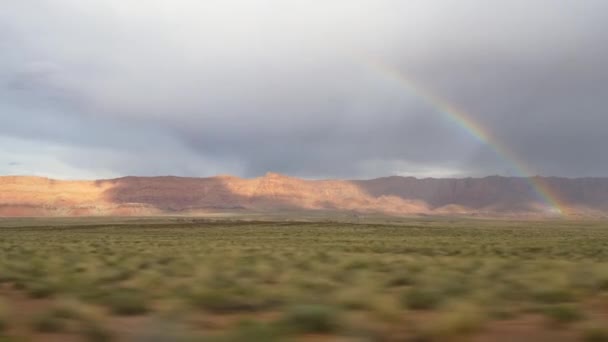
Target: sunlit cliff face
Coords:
[[491, 196]]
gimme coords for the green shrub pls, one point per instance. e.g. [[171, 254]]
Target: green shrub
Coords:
[[254, 331], [94, 332], [9, 339], [48, 322], [65, 312], [124, 301], [3, 316], [234, 299], [502, 312], [354, 299], [311, 319], [456, 320], [357, 265], [40, 290], [421, 299], [19, 284], [219, 301], [563, 313], [595, 332], [552, 296], [401, 279]]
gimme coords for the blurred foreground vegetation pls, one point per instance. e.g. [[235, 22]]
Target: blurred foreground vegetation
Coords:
[[419, 280]]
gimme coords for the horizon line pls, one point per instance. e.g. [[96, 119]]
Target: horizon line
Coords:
[[270, 174]]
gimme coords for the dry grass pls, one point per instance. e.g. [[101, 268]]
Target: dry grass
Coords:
[[224, 280]]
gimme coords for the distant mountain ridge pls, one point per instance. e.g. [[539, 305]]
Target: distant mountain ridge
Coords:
[[395, 195]]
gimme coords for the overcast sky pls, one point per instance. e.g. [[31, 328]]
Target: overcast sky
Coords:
[[107, 88]]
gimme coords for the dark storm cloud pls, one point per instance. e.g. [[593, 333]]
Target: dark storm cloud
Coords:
[[112, 88]]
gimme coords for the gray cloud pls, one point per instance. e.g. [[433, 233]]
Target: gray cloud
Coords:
[[111, 88]]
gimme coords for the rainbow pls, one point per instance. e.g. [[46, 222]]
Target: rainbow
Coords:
[[463, 120]]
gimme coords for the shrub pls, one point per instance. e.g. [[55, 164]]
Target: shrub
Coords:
[[40, 290], [218, 301], [231, 300], [9, 339], [595, 333], [65, 312], [48, 322], [553, 296], [311, 319], [563, 313], [602, 285], [354, 299], [401, 279], [254, 331], [385, 308], [3, 316], [94, 332], [124, 301], [421, 299], [357, 265], [502, 312], [457, 321]]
